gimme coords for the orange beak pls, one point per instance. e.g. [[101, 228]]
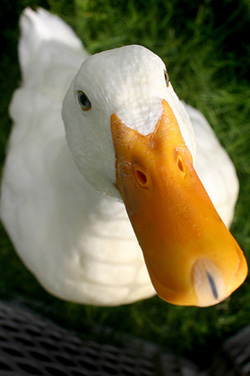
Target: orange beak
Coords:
[[192, 258]]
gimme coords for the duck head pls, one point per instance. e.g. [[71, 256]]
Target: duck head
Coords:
[[132, 139]]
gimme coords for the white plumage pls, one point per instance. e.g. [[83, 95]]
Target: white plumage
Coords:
[[77, 241]]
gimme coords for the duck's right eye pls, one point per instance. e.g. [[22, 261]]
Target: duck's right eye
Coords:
[[84, 101], [166, 78]]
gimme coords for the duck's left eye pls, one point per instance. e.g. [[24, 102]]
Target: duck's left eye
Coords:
[[166, 78], [84, 101]]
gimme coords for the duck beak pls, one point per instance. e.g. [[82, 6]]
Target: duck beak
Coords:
[[191, 257]]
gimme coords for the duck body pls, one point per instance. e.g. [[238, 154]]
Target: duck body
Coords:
[[78, 241]]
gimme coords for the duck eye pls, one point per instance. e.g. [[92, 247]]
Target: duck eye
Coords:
[[166, 78], [84, 101]]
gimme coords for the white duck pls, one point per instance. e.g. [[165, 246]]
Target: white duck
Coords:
[[130, 138]]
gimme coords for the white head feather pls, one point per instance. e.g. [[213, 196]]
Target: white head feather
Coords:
[[130, 82]]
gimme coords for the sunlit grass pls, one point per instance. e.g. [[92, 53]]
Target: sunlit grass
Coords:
[[204, 48]]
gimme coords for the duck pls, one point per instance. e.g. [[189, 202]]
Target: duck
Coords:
[[113, 189]]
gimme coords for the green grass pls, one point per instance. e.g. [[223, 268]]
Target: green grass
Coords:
[[205, 46]]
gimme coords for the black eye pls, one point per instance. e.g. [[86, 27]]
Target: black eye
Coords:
[[166, 78], [84, 101]]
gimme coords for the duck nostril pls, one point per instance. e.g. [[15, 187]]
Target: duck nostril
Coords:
[[141, 177], [180, 165]]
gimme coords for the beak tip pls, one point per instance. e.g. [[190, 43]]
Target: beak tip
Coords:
[[209, 283]]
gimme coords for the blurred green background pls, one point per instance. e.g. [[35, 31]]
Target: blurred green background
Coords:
[[205, 45]]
